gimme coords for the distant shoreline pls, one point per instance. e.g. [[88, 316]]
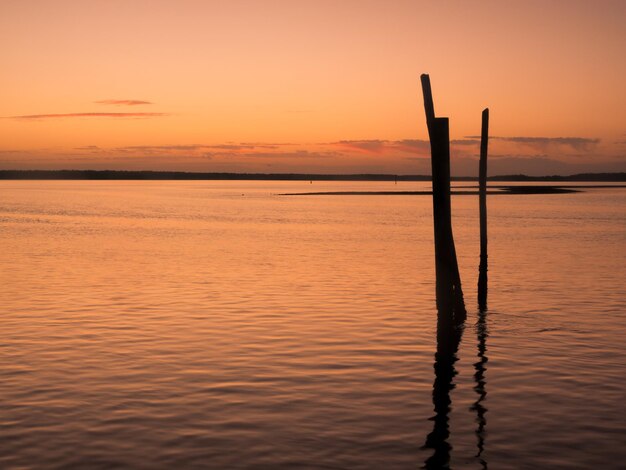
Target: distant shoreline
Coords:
[[181, 175], [511, 190]]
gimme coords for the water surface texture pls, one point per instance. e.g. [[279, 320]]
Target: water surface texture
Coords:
[[203, 324]]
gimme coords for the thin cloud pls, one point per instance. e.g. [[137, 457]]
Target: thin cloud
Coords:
[[265, 144], [410, 145], [227, 148], [466, 141], [517, 156], [534, 166], [377, 146], [160, 148], [298, 154], [34, 117], [576, 143], [417, 143], [373, 146], [88, 147], [123, 102], [241, 146], [295, 155], [226, 151]]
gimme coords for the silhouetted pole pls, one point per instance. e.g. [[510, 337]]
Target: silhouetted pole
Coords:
[[482, 196], [448, 283]]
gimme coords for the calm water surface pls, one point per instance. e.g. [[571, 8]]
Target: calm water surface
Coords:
[[219, 325]]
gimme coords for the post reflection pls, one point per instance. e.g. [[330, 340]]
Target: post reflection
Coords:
[[448, 340], [481, 383]]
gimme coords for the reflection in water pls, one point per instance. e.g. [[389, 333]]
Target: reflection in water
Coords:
[[480, 387], [448, 339]]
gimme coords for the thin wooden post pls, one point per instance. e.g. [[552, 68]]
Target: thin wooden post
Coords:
[[482, 196], [448, 281]]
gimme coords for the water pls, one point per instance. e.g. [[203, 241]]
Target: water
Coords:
[[219, 325]]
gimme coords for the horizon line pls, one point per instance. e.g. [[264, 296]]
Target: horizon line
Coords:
[[178, 175]]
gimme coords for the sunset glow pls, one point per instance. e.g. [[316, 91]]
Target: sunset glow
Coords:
[[310, 86], [312, 234]]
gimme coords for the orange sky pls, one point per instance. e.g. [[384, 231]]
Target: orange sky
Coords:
[[310, 86]]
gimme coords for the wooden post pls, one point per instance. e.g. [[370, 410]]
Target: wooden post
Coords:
[[482, 196], [448, 281]]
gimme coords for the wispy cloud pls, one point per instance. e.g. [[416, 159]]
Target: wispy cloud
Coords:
[[227, 152], [378, 146], [411, 145], [160, 148], [35, 117], [408, 156], [298, 154], [576, 143], [225, 148], [466, 141], [370, 146], [464, 145], [535, 166], [123, 102], [243, 146], [88, 147]]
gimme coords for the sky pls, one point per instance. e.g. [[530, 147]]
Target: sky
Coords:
[[311, 86]]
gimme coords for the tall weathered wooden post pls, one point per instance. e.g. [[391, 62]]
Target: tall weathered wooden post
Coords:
[[448, 281], [482, 196]]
